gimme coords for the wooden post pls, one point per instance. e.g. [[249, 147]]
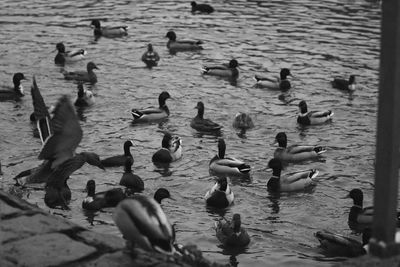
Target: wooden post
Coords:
[[388, 134]]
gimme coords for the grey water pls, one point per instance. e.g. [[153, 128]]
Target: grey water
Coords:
[[317, 40]]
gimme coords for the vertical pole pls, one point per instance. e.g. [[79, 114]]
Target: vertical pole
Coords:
[[388, 133]]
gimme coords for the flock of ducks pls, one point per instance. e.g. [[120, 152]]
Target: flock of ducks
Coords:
[[141, 219]]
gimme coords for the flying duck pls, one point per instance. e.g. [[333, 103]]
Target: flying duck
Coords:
[[83, 76], [152, 114], [96, 201], [109, 32], [349, 85], [291, 182], [282, 83], [306, 117], [225, 70], [232, 234], [85, 97], [119, 160], [150, 57], [130, 180], [16, 91], [201, 8], [227, 165], [171, 149], [295, 153], [142, 222], [63, 56], [220, 195], [182, 45], [199, 123]]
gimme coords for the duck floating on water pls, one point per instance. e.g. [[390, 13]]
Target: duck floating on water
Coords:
[[16, 91], [349, 85], [63, 56], [119, 160], [220, 196], [97, 201], [132, 181], [83, 76], [295, 153], [227, 165], [171, 149], [182, 45], [199, 123], [109, 32], [150, 57], [282, 83], [291, 182], [242, 121], [306, 117], [225, 70], [201, 8], [85, 97], [153, 114], [232, 234]]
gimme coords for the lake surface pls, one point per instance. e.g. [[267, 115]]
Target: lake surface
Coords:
[[317, 40]]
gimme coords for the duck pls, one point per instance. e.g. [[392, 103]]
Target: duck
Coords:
[[201, 8], [150, 57], [225, 70], [153, 114], [242, 121], [63, 56], [85, 97], [231, 233], [109, 32], [292, 182], [306, 117], [199, 123], [119, 160], [340, 245], [130, 180], [83, 76], [222, 165], [171, 150], [161, 194], [16, 92], [182, 45], [142, 222], [282, 83], [97, 201], [349, 85], [220, 196], [295, 153]]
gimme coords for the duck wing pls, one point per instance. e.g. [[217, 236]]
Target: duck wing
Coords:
[[294, 177], [77, 52], [297, 149], [320, 114], [40, 112]]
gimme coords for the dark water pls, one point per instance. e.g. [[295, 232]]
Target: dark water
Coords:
[[315, 39]]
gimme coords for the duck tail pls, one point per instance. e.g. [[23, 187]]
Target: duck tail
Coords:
[[320, 149], [204, 70], [313, 173], [244, 168], [136, 113], [256, 78]]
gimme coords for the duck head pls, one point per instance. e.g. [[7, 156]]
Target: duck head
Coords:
[[171, 35], [236, 222], [357, 196], [352, 79], [90, 66], [284, 73], [92, 159], [221, 148], [222, 183], [161, 193], [166, 141], [281, 138], [200, 109], [303, 107], [127, 145], [233, 63], [162, 98], [276, 166], [60, 47], [81, 91], [193, 4], [91, 188], [17, 82], [95, 23], [150, 47]]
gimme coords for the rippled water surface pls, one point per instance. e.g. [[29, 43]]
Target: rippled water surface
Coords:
[[317, 40]]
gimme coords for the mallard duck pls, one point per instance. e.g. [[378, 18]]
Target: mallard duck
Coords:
[[110, 32], [171, 149], [96, 201], [295, 153], [85, 97], [161, 194], [227, 165], [291, 182], [242, 121], [130, 180], [306, 117], [220, 195], [231, 233], [150, 57], [119, 160], [347, 85], [201, 8], [182, 45], [83, 76], [339, 245], [16, 91], [282, 83], [142, 221], [225, 70], [152, 114], [63, 56], [201, 124]]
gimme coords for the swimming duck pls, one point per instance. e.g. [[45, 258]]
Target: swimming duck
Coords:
[[83, 76], [201, 8], [340, 245], [161, 194], [130, 180], [201, 124], [295, 153], [15, 92], [292, 182], [282, 83], [85, 97], [183, 45], [142, 221], [227, 165], [120, 160], [231, 233], [96, 201], [346, 85], [225, 70], [153, 114], [110, 32], [171, 149], [150, 57], [312, 117], [220, 195], [63, 56], [242, 121]]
